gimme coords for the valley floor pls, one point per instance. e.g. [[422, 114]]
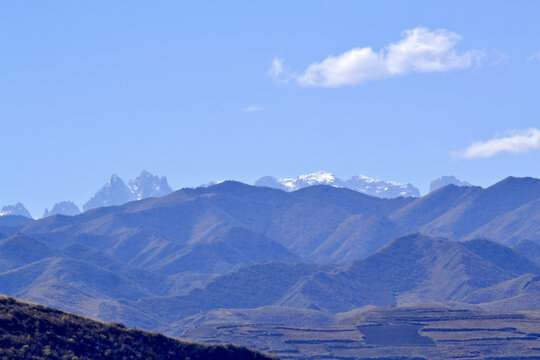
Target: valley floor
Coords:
[[392, 333]]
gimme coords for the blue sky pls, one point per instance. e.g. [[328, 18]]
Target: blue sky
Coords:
[[91, 88]]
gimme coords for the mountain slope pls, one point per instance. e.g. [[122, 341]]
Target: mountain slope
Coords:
[[299, 220], [18, 250], [411, 269], [250, 287], [528, 248], [464, 220], [521, 293], [29, 331], [503, 257]]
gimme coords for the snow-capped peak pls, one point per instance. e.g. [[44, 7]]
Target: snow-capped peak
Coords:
[[360, 183], [117, 192], [316, 178]]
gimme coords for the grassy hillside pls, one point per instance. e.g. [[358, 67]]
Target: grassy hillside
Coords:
[[29, 331]]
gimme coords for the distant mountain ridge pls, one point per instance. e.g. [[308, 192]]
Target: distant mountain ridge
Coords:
[[446, 180], [117, 192], [63, 208], [360, 183], [16, 209]]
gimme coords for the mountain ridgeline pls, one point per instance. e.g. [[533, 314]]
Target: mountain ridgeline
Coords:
[[117, 192], [360, 183]]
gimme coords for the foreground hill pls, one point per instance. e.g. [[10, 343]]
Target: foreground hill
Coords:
[[29, 331]]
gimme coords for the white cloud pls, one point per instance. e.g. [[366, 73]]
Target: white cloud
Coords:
[[420, 50], [253, 108], [534, 57], [515, 142], [276, 69]]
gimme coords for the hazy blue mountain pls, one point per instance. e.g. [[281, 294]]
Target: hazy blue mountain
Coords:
[[11, 224], [249, 287], [360, 183], [18, 250], [410, 270], [63, 208], [13, 220], [271, 182], [318, 223], [116, 192], [446, 180], [16, 209], [528, 248], [503, 257], [148, 231], [521, 293], [434, 205], [507, 211], [197, 250]]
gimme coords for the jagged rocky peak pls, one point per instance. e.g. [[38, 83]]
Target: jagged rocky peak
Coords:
[[63, 208], [446, 180], [360, 183], [16, 209], [114, 192], [148, 185], [117, 192]]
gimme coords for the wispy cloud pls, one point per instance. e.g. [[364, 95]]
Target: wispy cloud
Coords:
[[252, 108], [534, 57], [276, 69], [420, 50], [515, 142], [499, 57]]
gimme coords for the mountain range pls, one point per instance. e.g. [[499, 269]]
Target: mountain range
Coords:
[[117, 192], [360, 183], [232, 253]]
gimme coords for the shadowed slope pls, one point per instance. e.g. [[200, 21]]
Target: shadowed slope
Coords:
[[29, 331]]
